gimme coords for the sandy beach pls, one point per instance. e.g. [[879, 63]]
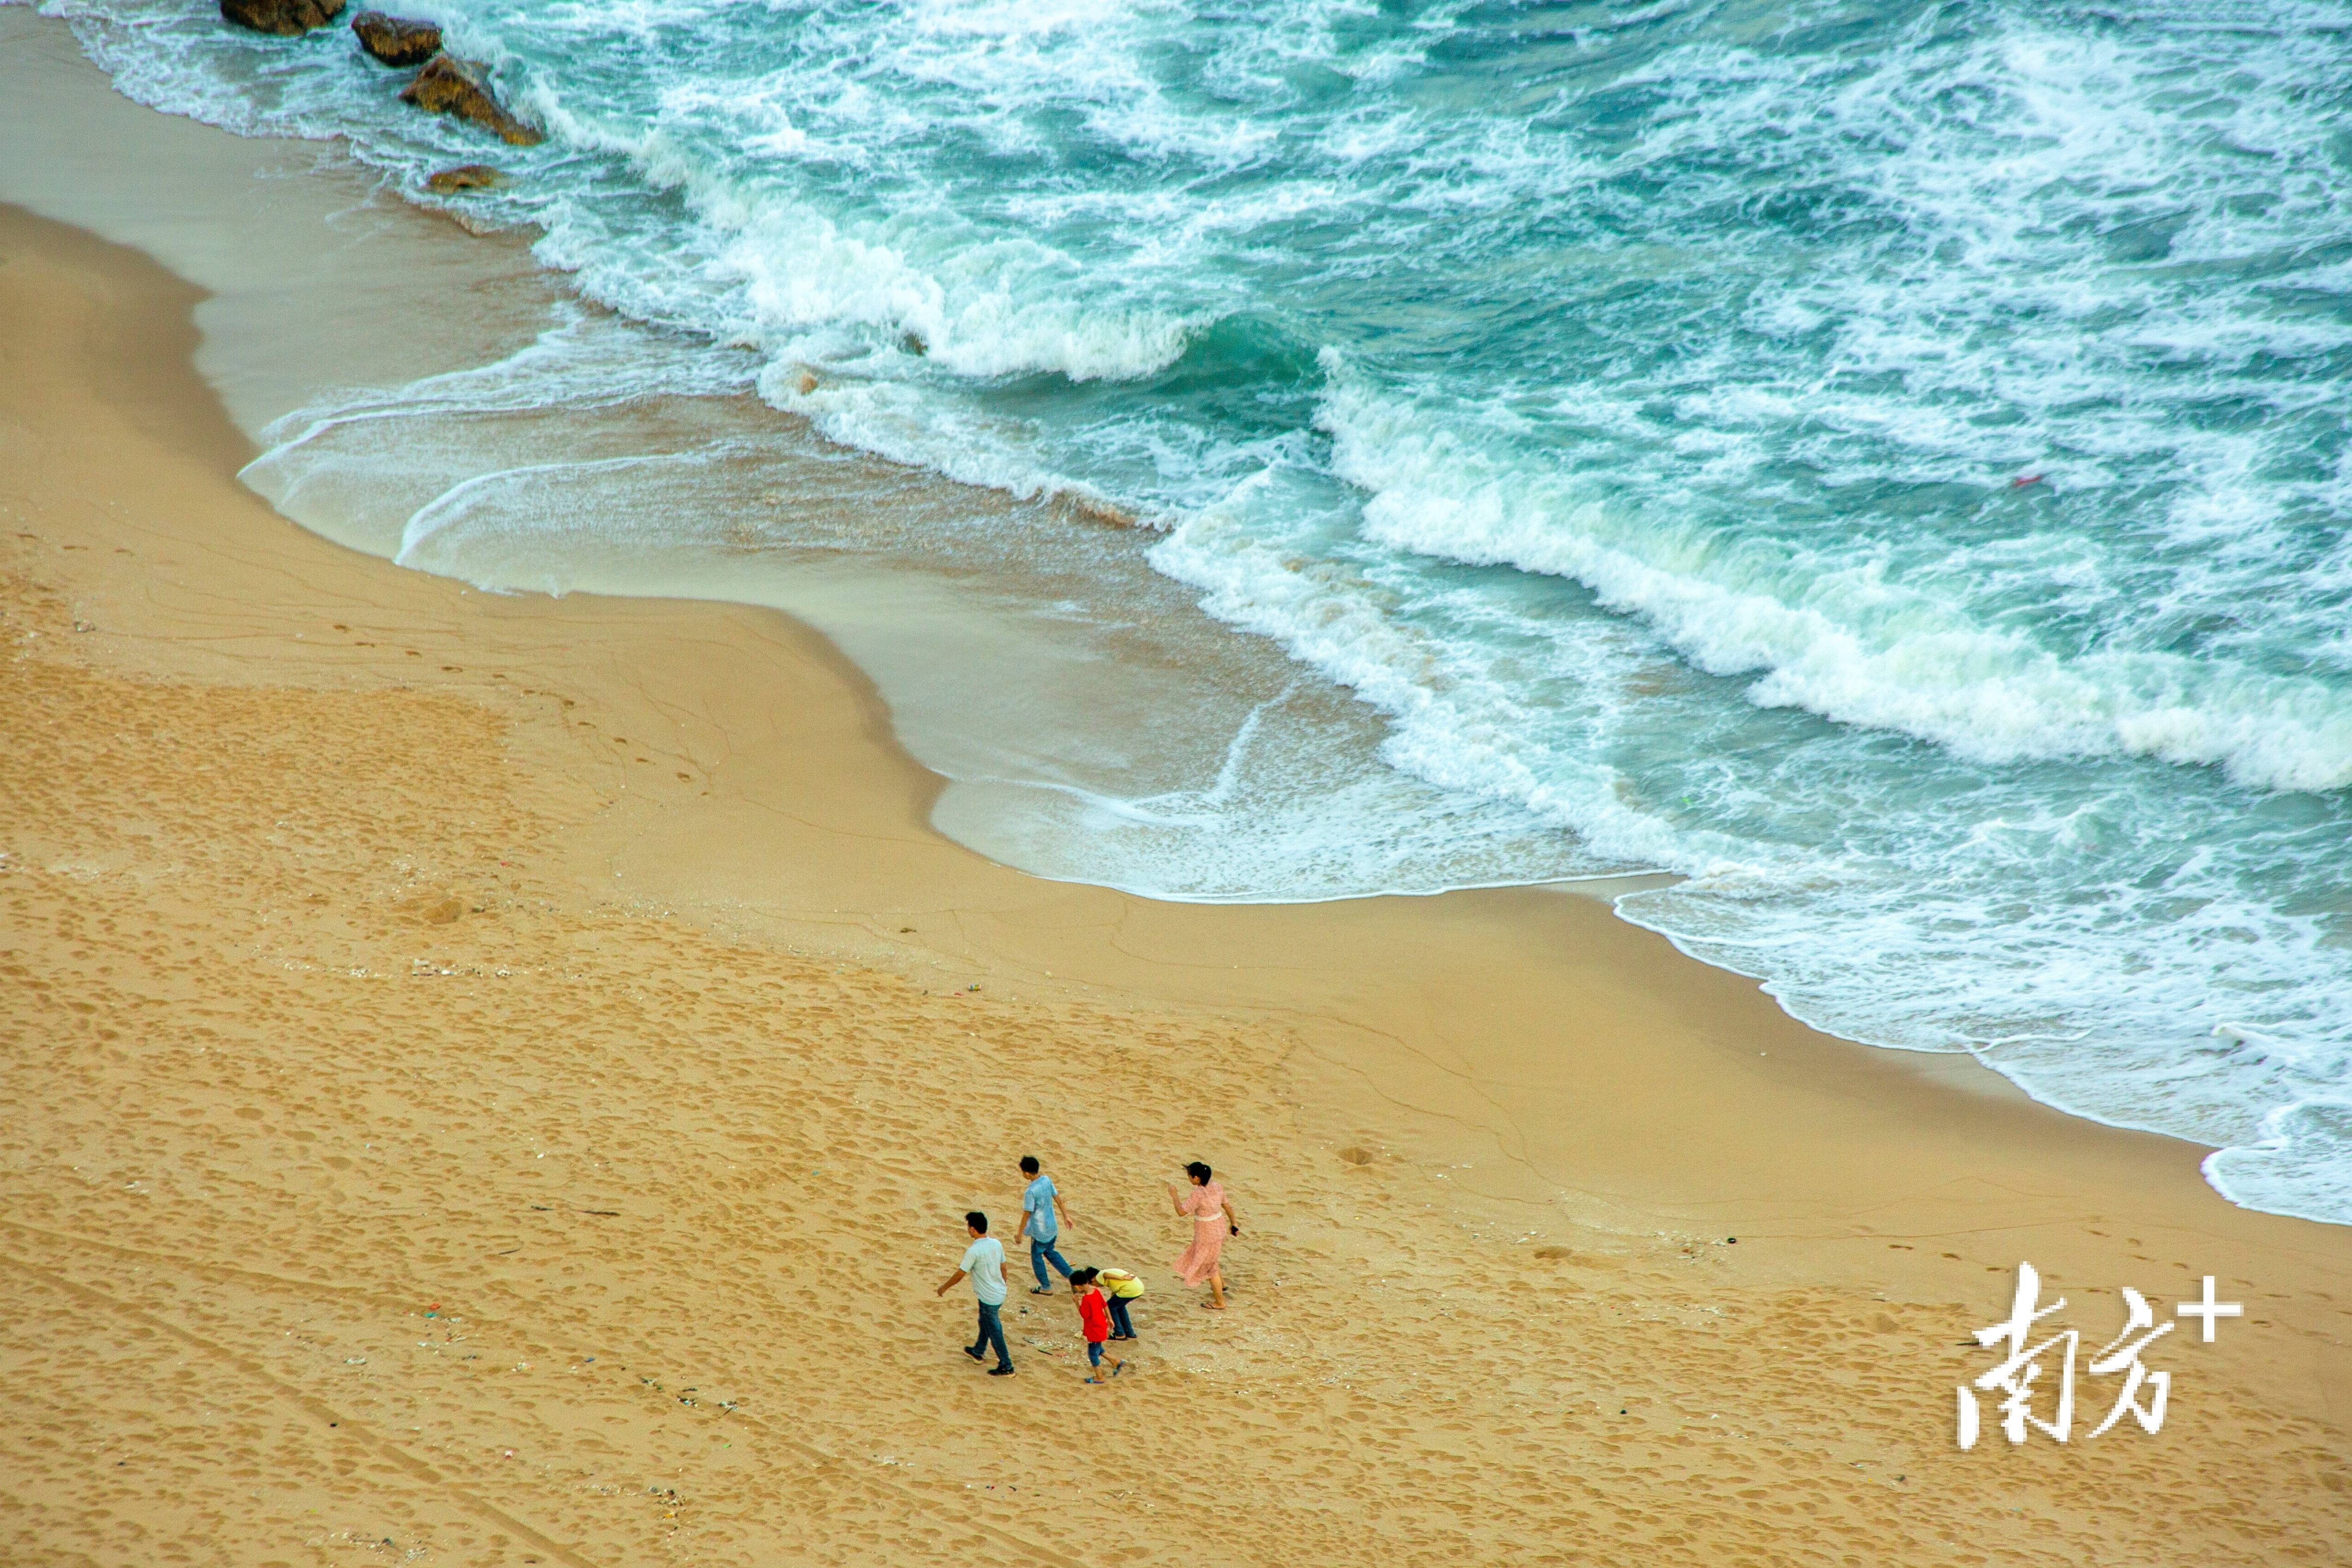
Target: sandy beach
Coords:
[[493, 1079]]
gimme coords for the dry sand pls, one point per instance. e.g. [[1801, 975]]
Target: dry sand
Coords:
[[494, 1080]]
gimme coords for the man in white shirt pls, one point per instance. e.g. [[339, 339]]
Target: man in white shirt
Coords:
[[985, 1262]]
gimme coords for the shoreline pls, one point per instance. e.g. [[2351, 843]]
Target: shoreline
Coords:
[[289, 312], [1506, 1062]]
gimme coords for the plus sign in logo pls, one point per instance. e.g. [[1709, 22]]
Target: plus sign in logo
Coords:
[[2031, 1399], [2209, 1309]]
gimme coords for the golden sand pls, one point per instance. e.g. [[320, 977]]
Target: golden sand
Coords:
[[494, 1080]]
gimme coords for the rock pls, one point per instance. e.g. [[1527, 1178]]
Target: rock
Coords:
[[396, 40], [448, 84], [464, 177], [287, 18]]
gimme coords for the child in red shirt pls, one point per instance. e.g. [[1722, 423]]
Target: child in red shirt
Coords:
[[1094, 1321]]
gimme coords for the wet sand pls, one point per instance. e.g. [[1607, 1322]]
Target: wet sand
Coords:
[[584, 974]]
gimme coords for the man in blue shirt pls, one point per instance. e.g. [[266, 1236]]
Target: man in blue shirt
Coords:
[[1042, 1218], [985, 1262]]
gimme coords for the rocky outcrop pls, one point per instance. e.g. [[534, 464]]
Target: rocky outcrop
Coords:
[[448, 84], [464, 177], [396, 40], [287, 18]]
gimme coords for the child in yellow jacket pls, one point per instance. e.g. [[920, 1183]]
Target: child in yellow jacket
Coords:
[[1119, 1289]]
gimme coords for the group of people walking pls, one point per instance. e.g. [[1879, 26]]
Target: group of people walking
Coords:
[[1104, 1296]]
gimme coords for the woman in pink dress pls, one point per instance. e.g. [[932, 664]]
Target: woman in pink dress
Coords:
[[1213, 1219]]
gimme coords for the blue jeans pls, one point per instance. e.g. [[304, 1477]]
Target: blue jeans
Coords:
[[991, 1335], [1121, 1323], [1042, 1253]]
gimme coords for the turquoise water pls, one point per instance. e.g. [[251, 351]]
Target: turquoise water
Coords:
[[1887, 462]]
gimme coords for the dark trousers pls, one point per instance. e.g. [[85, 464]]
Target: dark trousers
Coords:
[[991, 1335], [1119, 1321], [1042, 1253]]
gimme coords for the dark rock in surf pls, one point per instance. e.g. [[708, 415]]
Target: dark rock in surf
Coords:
[[287, 18], [464, 177], [396, 40], [448, 84]]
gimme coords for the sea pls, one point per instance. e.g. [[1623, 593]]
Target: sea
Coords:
[[1877, 474]]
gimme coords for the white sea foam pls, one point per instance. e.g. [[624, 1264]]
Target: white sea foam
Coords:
[[1847, 644], [1451, 724]]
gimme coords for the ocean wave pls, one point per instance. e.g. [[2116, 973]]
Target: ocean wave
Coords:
[[1848, 644]]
